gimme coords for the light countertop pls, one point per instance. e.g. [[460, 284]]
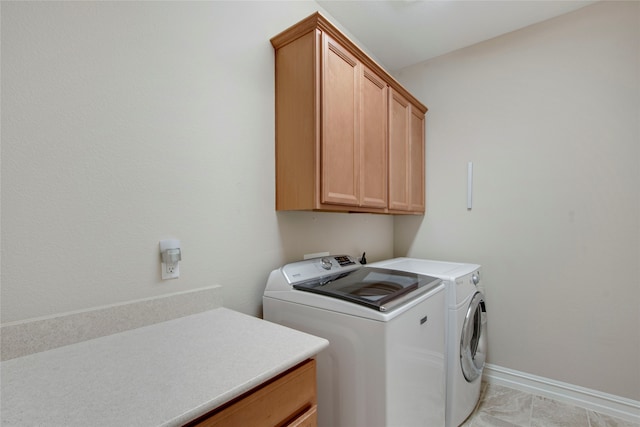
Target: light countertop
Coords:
[[164, 374]]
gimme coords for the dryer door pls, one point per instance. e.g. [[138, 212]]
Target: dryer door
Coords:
[[473, 344]]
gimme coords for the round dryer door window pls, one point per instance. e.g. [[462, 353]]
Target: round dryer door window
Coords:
[[473, 344]]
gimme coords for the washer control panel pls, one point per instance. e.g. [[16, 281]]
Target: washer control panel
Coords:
[[318, 267]]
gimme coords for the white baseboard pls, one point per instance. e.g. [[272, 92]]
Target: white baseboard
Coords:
[[604, 403]]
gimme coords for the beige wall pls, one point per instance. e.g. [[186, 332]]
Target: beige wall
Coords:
[[124, 123], [127, 122], [549, 116]]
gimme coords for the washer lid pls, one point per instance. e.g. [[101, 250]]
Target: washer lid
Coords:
[[377, 288]]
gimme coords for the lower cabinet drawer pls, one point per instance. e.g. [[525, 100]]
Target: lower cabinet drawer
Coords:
[[287, 400], [307, 419]]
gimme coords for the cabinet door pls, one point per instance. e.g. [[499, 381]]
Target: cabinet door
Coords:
[[416, 162], [340, 125], [399, 134], [406, 156], [373, 140]]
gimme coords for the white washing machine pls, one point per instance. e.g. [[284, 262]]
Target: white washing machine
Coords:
[[466, 330], [385, 363]]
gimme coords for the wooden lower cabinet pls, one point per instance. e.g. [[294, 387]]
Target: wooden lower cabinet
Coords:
[[288, 400]]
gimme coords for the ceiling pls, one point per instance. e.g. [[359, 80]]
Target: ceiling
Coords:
[[400, 33]]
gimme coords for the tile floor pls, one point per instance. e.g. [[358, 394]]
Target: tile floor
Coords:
[[504, 407]]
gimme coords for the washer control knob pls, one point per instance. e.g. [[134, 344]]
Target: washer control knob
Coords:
[[475, 278], [326, 263]]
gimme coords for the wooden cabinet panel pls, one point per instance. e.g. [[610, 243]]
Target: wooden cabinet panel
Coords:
[[416, 162], [373, 146], [406, 156], [296, 116], [288, 400], [399, 116], [340, 125]]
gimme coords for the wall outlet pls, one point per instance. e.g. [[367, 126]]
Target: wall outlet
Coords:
[[170, 271], [170, 256]]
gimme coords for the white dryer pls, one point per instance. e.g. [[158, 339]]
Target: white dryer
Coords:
[[466, 330]]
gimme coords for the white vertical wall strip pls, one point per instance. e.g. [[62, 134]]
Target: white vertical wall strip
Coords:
[[470, 185]]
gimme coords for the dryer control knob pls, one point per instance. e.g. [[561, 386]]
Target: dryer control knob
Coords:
[[326, 263], [475, 278]]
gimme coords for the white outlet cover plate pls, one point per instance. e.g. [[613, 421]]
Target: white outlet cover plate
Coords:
[[170, 275]]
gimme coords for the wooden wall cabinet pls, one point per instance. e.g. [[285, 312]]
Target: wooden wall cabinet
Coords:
[[341, 144], [289, 399], [406, 156]]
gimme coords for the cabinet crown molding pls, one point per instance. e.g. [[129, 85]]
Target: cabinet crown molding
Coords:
[[317, 21]]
